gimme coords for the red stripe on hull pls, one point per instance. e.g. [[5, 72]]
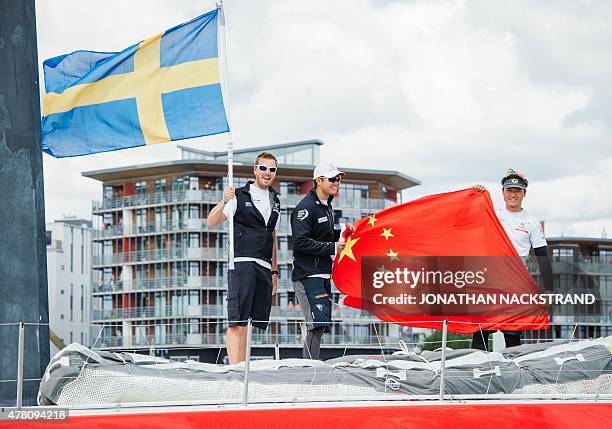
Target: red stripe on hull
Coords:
[[471, 416]]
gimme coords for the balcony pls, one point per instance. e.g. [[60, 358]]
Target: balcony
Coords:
[[160, 255], [157, 198], [193, 225], [214, 310], [107, 341], [108, 286], [569, 265], [177, 282], [258, 339], [186, 282], [203, 196], [160, 311]]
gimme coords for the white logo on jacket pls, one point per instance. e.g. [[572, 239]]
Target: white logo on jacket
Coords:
[[302, 214]]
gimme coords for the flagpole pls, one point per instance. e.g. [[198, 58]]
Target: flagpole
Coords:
[[230, 143]]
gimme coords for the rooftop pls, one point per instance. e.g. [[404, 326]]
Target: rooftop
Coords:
[[76, 222], [296, 161], [579, 240]]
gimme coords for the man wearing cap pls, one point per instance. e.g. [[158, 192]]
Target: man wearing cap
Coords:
[[525, 232], [315, 243], [251, 284]]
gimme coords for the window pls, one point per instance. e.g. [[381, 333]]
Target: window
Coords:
[[160, 242], [61, 291], [71, 337], [140, 187], [605, 256], [107, 192], [562, 253], [82, 251], [212, 184], [82, 339], [160, 185], [48, 233], [82, 303], [71, 249], [194, 183], [194, 268], [160, 217], [71, 303], [194, 240], [180, 183], [107, 220], [141, 219]]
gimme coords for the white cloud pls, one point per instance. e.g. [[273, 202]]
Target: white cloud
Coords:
[[449, 92]]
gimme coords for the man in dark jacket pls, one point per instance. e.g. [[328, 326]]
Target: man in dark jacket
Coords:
[[251, 284], [315, 244]]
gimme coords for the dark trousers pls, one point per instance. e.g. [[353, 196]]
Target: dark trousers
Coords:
[[480, 339]]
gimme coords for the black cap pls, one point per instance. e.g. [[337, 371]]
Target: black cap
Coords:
[[514, 182], [513, 179]]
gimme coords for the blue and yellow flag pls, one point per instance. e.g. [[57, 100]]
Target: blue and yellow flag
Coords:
[[162, 89]]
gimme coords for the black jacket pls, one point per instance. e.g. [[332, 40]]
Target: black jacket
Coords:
[[314, 237], [252, 235]]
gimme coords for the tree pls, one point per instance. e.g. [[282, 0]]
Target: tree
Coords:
[[453, 341]]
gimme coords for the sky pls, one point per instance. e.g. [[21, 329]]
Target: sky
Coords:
[[452, 93]]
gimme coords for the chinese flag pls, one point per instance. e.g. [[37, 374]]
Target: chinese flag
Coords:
[[455, 224]]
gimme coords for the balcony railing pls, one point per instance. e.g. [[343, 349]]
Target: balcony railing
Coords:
[[194, 224], [268, 339], [212, 310], [190, 282], [176, 282], [569, 265], [159, 311], [193, 253], [108, 286], [159, 254], [203, 196]]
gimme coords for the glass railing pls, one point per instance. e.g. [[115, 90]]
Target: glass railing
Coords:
[[159, 311], [190, 282], [108, 286], [192, 253], [259, 339], [195, 224], [203, 196], [109, 341], [569, 265], [178, 282], [213, 310], [159, 255]]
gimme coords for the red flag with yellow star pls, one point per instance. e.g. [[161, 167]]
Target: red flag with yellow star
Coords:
[[445, 235]]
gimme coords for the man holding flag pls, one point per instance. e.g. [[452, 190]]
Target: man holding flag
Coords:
[[315, 244], [255, 208], [525, 232]]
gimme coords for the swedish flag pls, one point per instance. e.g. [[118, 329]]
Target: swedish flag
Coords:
[[162, 89]]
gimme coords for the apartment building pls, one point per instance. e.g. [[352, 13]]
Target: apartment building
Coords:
[[69, 280], [159, 272]]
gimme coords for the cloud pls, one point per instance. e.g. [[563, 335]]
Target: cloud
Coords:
[[449, 92]]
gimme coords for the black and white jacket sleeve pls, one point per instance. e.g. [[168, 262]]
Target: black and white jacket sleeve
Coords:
[[303, 226]]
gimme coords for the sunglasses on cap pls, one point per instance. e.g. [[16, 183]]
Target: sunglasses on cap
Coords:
[[264, 168], [334, 179]]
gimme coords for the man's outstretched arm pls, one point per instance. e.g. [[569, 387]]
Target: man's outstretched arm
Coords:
[[545, 267]]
